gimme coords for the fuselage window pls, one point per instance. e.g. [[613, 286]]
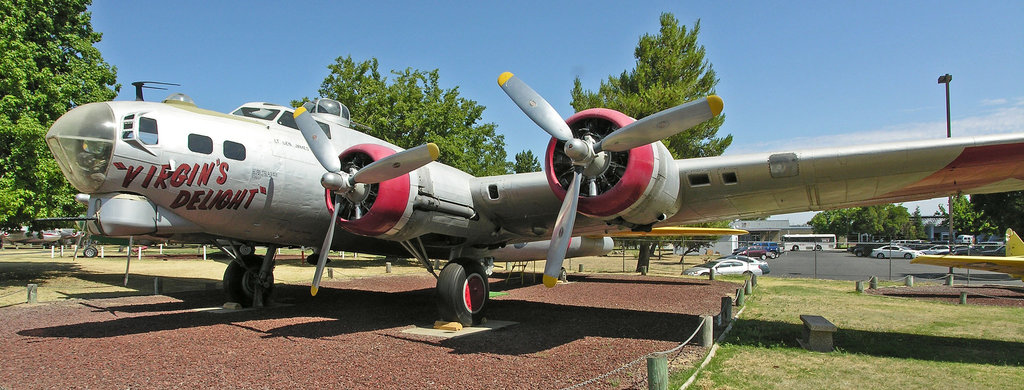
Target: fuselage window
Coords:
[[147, 131], [200, 144], [288, 119], [234, 150], [259, 113]]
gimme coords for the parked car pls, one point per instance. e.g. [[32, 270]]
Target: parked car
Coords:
[[890, 251], [724, 267], [994, 251], [759, 263], [936, 250], [773, 248], [752, 251], [864, 249]]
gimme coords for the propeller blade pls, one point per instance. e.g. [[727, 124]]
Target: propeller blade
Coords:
[[323, 252], [661, 125], [317, 140], [397, 164], [562, 231], [535, 106]]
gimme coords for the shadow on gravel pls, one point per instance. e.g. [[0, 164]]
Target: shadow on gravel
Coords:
[[343, 311], [885, 344]]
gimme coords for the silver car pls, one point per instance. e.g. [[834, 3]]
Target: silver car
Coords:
[[725, 267], [891, 251]]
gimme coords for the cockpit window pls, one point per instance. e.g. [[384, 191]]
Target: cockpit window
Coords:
[[288, 119], [258, 113], [234, 150], [200, 144], [147, 131]]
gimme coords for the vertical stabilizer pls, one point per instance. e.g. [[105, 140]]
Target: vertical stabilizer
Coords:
[[1014, 246]]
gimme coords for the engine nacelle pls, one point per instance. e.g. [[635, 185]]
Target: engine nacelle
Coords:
[[633, 188], [384, 207]]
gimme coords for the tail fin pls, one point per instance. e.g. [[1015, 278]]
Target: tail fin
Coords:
[[1014, 245]]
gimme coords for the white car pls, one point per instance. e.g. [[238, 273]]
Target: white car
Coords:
[[725, 267], [763, 265], [936, 250], [890, 251]]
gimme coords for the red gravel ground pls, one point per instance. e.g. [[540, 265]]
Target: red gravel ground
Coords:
[[976, 295], [350, 336]]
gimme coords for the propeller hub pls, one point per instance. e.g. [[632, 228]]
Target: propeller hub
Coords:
[[579, 151], [335, 181]]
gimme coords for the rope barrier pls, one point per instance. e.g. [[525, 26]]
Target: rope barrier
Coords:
[[638, 360]]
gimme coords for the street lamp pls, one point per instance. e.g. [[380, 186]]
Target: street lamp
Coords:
[[945, 79]]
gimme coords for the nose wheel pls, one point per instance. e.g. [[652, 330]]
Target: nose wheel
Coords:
[[462, 292]]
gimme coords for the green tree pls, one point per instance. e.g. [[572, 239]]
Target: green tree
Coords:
[[1002, 211], [883, 221], [526, 162], [670, 70], [967, 220], [48, 65], [411, 109]]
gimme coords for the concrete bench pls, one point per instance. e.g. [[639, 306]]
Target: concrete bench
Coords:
[[817, 333]]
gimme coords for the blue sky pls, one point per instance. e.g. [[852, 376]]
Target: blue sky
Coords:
[[793, 75]]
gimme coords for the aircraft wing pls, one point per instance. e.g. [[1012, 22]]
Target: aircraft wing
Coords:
[[679, 231], [1014, 266], [727, 187]]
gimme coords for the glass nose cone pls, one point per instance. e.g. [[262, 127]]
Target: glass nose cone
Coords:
[[82, 141]]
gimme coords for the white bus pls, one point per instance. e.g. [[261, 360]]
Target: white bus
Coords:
[[817, 242]]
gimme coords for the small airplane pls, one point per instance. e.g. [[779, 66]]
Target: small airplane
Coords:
[[173, 171], [1012, 263], [45, 237]]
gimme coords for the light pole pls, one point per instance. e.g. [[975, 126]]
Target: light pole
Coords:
[[945, 79]]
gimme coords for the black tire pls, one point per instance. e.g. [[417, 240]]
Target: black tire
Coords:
[[563, 275], [858, 253], [458, 280], [240, 283], [908, 256], [89, 251], [880, 255], [817, 247], [796, 248]]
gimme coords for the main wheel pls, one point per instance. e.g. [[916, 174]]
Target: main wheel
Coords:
[[880, 256], [89, 251], [462, 292], [240, 283]]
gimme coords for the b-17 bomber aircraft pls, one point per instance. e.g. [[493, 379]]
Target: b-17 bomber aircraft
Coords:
[[271, 176]]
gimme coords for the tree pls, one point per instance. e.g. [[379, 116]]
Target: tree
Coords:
[[411, 109], [966, 220], [886, 220], [1002, 211], [670, 70], [526, 162], [49, 66]]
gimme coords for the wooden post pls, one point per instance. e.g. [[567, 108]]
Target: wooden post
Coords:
[[62, 251], [707, 332], [860, 286], [387, 267], [204, 252], [748, 287], [330, 273], [101, 252], [963, 297], [161, 249], [52, 253], [711, 274], [909, 281], [753, 280], [657, 372], [739, 297], [949, 280], [873, 282], [32, 293], [726, 309], [581, 267]]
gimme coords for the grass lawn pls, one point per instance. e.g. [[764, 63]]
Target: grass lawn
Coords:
[[882, 342]]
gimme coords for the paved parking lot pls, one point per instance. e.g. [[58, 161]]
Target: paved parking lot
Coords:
[[840, 265]]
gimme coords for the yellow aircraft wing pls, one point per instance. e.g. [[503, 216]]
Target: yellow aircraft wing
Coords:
[[1011, 264], [679, 231]]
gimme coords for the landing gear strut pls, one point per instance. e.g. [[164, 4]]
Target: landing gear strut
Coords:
[[249, 281], [463, 292]]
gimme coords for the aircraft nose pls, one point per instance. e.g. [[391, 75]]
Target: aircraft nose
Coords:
[[82, 141]]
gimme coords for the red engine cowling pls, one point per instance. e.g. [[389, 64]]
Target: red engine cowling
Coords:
[[639, 185], [384, 203]]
